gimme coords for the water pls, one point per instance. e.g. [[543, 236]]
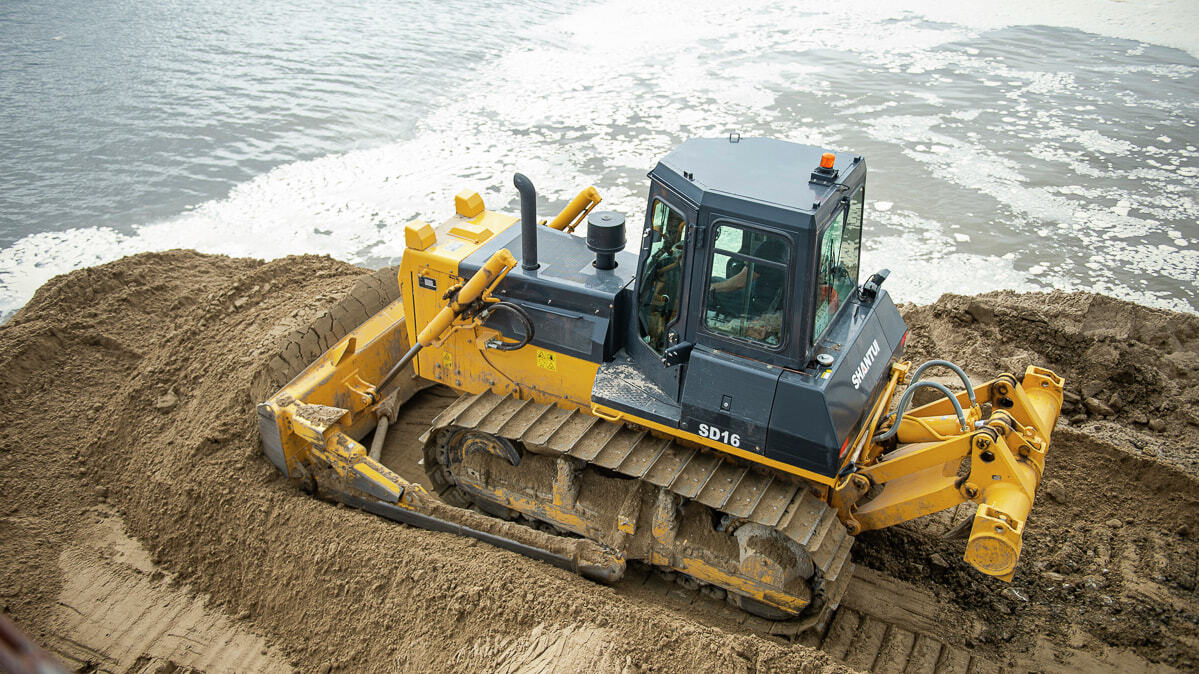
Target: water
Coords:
[[1025, 157]]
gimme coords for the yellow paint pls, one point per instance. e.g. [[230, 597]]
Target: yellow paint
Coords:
[[485, 279], [910, 495], [698, 568], [477, 368], [626, 525], [994, 544], [861, 449], [576, 210], [756, 580], [618, 415], [419, 235], [468, 204], [471, 232], [917, 457], [1006, 462], [918, 479]]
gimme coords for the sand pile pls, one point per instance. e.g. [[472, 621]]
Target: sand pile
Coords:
[[124, 392]]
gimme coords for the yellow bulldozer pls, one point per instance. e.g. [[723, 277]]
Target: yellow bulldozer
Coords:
[[729, 404]]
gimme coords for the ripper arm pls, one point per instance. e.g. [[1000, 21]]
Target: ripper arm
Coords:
[[997, 462]]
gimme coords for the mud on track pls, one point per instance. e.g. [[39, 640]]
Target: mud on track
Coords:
[[124, 391]]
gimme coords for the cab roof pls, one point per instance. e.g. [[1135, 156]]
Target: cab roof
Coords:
[[768, 171]]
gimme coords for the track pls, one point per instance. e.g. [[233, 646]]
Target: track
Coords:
[[119, 613], [719, 483], [886, 624], [882, 625], [865, 632]]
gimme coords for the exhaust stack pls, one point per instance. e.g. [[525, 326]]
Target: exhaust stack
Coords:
[[528, 221]]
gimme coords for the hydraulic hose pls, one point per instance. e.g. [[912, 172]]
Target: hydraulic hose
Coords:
[[491, 272], [957, 370], [522, 316], [907, 397]]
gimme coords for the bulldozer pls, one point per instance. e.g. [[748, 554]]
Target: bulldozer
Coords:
[[728, 403]]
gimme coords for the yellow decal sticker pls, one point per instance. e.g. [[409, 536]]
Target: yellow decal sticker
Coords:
[[546, 360], [825, 374], [447, 361]]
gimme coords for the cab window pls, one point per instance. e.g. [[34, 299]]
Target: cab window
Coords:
[[662, 277], [747, 291], [837, 266]]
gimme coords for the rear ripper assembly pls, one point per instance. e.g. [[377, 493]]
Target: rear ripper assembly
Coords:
[[721, 404]]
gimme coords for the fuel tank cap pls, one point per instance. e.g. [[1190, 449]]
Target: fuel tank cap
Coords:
[[825, 359]]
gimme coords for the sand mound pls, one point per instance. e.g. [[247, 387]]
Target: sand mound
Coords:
[[127, 387]]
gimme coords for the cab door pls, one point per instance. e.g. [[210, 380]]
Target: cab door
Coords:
[[742, 325], [661, 299]]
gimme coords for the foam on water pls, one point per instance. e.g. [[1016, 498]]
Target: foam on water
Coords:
[[988, 170]]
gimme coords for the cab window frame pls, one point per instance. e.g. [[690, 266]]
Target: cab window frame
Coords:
[[840, 217], [646, 247], [788, 267]]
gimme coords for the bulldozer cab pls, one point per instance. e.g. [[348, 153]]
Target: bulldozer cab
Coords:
[[748, 270], [752, 262]]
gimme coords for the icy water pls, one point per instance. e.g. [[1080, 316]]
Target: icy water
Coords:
[[1026, 157]]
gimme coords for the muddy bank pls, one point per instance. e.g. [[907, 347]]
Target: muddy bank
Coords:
[[125, 401]]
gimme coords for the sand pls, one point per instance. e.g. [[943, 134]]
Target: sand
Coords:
[[144, 529]]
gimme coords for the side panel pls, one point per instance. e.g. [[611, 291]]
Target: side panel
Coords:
[[563, 330], [573, 306], [815, 413], [801, 432], [461, 360], [728, 398]]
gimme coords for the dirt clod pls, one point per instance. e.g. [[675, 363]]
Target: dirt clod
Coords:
[[1055, 490], [166, 401], [1094, 406]]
